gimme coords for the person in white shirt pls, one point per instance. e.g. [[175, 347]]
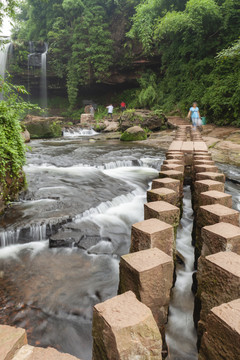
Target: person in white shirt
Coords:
[[110, 110]]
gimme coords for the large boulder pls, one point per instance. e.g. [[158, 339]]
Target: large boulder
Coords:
[[154, 121], [43, 127], [26, 136], [134, 133]]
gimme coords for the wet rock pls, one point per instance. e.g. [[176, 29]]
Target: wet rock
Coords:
[[63, 239], [43, 127], [134, 133]]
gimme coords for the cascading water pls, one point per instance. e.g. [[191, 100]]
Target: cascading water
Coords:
[[43, 81], [4, 49], [77, 132], [30, 64]]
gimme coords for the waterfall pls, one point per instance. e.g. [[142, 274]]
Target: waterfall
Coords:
[[43, 83], [3, 61], [31, 53]]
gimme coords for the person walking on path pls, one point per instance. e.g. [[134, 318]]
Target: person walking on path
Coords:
[[194, 114], [123, 106], [110, 110]]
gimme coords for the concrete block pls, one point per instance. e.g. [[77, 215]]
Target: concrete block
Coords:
[[215, 197], [172, 184]]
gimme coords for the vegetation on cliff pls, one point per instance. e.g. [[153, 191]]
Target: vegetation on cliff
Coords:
[[188, 49], [12, 149]]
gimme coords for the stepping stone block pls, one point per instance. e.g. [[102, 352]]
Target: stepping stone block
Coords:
[[173, 174], [218, 282], [202, 157], [207, 185], [174, 155], [215, 197], [210, 175], [163, 194], [200, 146], [11, 339], [210, 215], [176, 167], [222, 337], [149, 274], [125, 329], [220, 237], [173, 161], [28, 352], [205, 168], [163, 211], [202, 162], [168, 183], [175, 146], [152, 233], [187, 147]]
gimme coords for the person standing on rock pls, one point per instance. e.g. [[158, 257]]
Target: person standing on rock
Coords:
[[110, 110], [123, 106], [194, 114]]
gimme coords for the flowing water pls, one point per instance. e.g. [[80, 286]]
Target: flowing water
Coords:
[[43, 80], [94, 190], [4, 49]]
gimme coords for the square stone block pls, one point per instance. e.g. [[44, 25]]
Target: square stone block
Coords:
[[215, 197], [205, 168], [220, 237], [28, 352], [212, 214], [124, 329], [218, 282], [173, 174], [187, 147], [163, 194], [152, 233], [168, 183], [11, 339], [175, 146], [203, 162], [222, 338], [163, 211], [207, 185], [200, 146], [210, 175], [173, 161], [149, 274], [202, 157], [176, 167]]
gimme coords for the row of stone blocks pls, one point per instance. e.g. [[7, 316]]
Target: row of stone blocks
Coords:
[[217, 237], [146, 277]]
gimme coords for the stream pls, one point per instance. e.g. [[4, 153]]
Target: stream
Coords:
[[95, 190]]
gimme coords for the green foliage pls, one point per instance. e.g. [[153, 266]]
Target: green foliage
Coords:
[[12, 149], [133, 137], [187, 37]]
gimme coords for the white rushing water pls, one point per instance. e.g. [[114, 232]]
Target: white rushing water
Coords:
[[180, 332], [72, 133], [4, 50], [43, 81]]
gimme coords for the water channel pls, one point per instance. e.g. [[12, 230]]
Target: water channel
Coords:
[[96, 190]]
